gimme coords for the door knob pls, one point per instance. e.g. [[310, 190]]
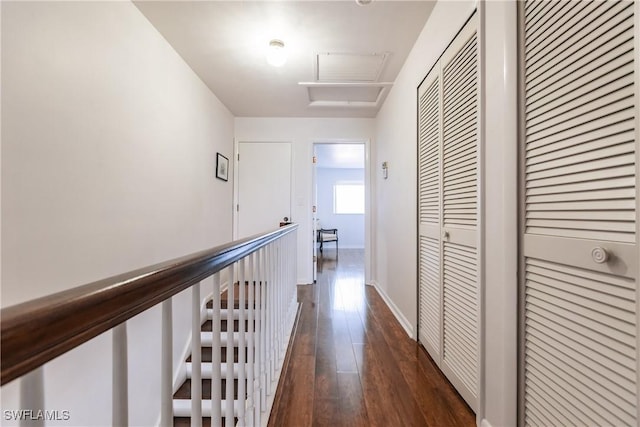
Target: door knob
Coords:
[[445, 235], [599, 255]]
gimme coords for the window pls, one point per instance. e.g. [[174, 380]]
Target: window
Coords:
[[348, 198]]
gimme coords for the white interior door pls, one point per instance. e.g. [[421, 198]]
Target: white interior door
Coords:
[[430, 213], [264, 186], [460, 213], [580, 139], [448, 211]]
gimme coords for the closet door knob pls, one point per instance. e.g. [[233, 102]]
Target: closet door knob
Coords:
[[599, 255], [445, 235]]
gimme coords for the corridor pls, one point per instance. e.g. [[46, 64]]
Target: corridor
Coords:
[[351, 363]]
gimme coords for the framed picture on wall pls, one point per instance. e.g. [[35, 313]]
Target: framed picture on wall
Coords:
[[222, 167]]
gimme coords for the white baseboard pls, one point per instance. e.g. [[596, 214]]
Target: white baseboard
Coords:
[[485, 423], [395, 310], [305, 280]]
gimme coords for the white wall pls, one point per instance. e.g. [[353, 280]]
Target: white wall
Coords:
[[108, 154], [350, 226], [396, 127], [396, 228], [303, 132]]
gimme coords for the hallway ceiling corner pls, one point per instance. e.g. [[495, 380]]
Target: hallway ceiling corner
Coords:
[[342, 57]]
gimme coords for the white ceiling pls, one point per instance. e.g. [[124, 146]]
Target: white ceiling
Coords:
[[225, 43], [349, 156]]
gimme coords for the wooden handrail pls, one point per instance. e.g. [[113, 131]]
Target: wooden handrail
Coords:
[[34, 332]]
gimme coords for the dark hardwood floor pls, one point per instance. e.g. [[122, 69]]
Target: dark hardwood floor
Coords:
[[350, 363]]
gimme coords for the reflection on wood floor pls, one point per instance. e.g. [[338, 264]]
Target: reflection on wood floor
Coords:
[[350, 363]]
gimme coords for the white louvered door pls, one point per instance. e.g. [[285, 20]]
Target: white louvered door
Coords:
[[430, 201], [460, 214], [448, 101], [580, 130]]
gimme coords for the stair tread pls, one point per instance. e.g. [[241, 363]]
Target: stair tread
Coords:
[[206, 355], [224, 297], [223, 304], [208, 326], [186, 421], [184, 392]]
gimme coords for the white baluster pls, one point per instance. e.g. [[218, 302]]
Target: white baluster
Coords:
[[285, 294], [216, 381], [290, 254], [32, 396], [287, 282], [250, 342], [269, 315], [276, 314], [257, 340], [294, 271], [120, 374], [282, 292], [292, 267], [196, 358], [229, 419], [273, 310], [241, 344], [276, 296], [293, 290], [166, 366], [263, 329]]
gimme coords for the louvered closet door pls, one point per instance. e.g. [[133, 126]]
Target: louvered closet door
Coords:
[[448, 213], [460, 344], [580, 124], [429, 213]]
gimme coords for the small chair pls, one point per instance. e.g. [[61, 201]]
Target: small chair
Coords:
[[327, 235]]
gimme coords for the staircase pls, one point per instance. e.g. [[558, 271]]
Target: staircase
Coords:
[[182, 397], [256, 321], [242, 360]]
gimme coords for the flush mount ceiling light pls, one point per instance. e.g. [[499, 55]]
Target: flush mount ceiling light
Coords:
[[276, 55], [363, 2]]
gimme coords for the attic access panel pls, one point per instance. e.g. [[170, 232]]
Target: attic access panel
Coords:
[[349, 67]]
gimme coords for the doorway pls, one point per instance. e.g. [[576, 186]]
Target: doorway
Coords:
[[340, 201]]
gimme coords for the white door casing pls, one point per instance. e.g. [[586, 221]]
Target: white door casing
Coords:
[[314, 212], [579, 143], [263, 186]]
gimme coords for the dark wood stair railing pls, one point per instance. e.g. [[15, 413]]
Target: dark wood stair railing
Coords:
[[37, 331]]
